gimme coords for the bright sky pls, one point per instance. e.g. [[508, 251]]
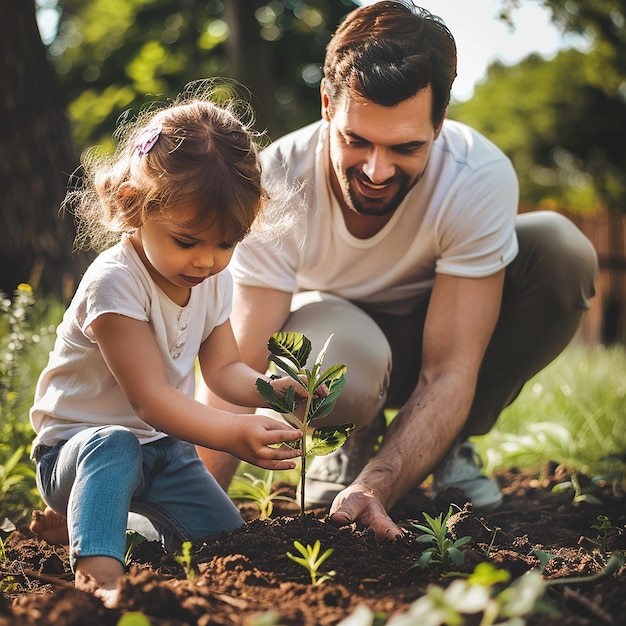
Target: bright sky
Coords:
[[482, 38]]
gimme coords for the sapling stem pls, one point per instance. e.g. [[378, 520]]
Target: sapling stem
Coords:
[[289, 353]]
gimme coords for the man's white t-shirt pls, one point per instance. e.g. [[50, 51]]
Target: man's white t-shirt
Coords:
[[458, 220], [76, 390]]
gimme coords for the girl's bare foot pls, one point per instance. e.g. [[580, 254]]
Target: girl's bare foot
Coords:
[[99, 575], [50, 526], [110, 596]]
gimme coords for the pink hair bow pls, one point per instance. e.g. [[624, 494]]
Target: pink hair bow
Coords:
[[147, 138]]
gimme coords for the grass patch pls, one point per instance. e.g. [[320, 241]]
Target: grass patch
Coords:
[[27, 326], [572, 413]]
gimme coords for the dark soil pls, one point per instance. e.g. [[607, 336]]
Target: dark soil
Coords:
[[246, 573]]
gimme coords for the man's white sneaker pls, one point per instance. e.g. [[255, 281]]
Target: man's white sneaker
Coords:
[[328, 475], [461, 468]]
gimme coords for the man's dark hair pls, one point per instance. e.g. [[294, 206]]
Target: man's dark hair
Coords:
[[389, 51]]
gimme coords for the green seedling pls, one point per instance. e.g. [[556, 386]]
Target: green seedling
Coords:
[[311, 560], [494, 532], [544, 558], [476, 600], [606, 529], [581, 494], [7, 527], [289, 352], [258, 490], [133, 618], [184, 559], [443, 550], [133, 539]]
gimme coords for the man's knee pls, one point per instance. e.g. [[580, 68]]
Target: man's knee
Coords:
[[357, 342], [565, 262]]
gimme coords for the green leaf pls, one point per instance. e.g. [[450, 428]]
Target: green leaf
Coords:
[[461, 541], [544, 558], [292, 445], [281, 364], [322, 353], [424, 560], [282, 405], [332, 373], [456, 556], [487, 575], [133, 619], [321, 407], [294, 347], [328, 438]]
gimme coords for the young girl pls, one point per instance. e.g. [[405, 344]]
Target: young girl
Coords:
[[114, 412]]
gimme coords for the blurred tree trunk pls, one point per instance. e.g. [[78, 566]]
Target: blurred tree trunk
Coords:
[[250, 59], [36, 157]]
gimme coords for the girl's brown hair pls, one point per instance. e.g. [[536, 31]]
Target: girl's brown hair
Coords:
[[202, 167]]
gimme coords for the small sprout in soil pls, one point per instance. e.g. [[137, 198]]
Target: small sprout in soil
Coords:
[[481, 594], [544, 558], [488, 575], [133, 618], [7, 527], [581, 493], [606, 529], [267, 618], [9, 584], [184, 559], [443, 550], [133, 539], [289, 352], [311, 560], [493, 539], [258, 490]]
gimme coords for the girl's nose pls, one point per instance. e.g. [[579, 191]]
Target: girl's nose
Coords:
[[205, 260]]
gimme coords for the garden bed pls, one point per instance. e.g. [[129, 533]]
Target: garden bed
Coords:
[[245, 574]]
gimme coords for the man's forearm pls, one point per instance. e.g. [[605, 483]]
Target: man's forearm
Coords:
[[418, 437]]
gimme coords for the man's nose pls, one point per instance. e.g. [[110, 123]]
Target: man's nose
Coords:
[[378, 166]]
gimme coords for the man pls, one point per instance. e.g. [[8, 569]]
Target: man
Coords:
[[443, 302]]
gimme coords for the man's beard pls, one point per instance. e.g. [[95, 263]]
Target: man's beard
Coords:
[[373, 207]]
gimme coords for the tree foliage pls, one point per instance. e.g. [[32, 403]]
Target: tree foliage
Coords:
[[563, 121], [113, 55], [563, 134]]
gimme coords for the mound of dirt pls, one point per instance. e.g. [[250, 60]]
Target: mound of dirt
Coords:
[[236, 577]]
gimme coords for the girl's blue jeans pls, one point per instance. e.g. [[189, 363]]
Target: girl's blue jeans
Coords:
[[101, 474]]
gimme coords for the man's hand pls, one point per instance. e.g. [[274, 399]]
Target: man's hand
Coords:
[[357, 503], [251, 436]]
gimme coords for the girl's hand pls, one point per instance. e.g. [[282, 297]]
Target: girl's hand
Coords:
[[252, 435], [282, 383]]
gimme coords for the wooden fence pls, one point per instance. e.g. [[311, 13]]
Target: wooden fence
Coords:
[[606, 321]]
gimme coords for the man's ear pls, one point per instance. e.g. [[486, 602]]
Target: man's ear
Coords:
[[325, 102]]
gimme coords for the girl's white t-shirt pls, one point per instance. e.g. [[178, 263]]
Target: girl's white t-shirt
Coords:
[[459, 219], [76, 390]]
